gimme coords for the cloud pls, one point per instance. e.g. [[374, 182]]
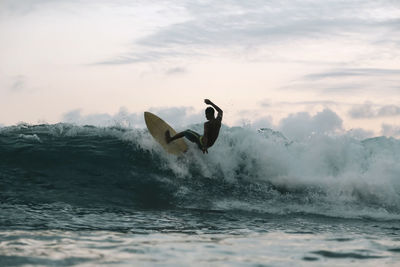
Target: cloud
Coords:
[[356, 72], [176, 70], [359, 133], [231, 24], [389, 111], [301, 125], [19, 83], [350, 81], [325, 103], [146, 55], [265, 103], [122, 118], [20, 7], [179, 116], [362, 111], [390, 130], [234, 22], [369, 110]]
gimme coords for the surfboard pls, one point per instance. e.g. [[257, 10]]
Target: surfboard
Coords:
[[157, 128]]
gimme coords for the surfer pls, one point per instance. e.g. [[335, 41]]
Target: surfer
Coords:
[[211, 129]]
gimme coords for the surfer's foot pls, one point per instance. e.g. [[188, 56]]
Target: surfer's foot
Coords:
[[167, 137]]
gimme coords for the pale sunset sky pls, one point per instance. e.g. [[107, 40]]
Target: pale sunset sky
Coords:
[[331, 65]]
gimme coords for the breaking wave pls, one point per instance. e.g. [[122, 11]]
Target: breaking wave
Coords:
[[246, 170]]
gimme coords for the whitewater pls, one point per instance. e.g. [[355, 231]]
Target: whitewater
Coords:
[[87, 196]]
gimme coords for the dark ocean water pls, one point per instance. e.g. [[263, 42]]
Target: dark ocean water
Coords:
[[83, 195]]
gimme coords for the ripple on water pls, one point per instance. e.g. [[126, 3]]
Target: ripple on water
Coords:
[[28, 260], [353, 255], [394, 250], [308, 258], [341, 239]]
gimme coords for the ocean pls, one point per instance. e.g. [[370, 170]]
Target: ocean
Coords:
[[110, 196]]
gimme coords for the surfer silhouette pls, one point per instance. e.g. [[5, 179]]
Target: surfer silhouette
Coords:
[[211, 129]]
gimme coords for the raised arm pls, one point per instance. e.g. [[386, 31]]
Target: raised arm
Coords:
[[220, 112]]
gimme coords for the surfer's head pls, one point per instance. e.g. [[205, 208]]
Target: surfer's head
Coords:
[[209, 113]]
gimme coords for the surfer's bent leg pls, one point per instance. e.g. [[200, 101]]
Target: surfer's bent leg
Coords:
[[192, 136], [170, 139]]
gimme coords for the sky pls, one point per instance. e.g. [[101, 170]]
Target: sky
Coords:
[[297, 66]]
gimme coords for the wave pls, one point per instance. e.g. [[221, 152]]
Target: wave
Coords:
[[247, 170]]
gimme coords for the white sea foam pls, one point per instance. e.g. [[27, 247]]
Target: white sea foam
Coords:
[[31, 137], [337, 175]]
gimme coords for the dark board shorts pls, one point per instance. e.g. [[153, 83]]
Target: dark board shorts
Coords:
[[194, 137]]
